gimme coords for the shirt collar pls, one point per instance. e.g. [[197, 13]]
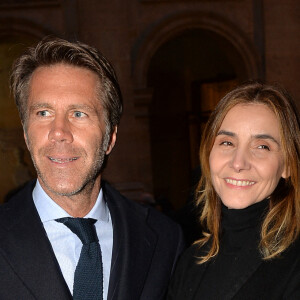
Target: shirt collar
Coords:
[[49, 210]]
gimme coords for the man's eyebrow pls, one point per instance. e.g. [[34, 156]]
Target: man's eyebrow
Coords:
[[266, 137], [70, 107], [39, 106], [81, 106], [228, 133]]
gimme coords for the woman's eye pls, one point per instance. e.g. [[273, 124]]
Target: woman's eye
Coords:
[[264, 147], [43, 113], [79, 114], [226, 143]]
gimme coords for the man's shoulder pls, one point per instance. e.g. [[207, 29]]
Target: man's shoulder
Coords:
[[18, 204], [19, 196]]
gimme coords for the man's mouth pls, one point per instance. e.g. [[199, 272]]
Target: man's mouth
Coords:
[[62, 160], [239, 182]]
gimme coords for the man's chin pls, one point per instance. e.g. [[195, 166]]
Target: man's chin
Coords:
[[60, 189], [66, 193], [67, 185]]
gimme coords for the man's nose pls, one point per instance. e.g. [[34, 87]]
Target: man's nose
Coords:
[[60, 130]]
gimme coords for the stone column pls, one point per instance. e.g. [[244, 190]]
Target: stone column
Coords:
[[142, 100]]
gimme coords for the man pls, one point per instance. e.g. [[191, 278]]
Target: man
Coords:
[[70, 106]]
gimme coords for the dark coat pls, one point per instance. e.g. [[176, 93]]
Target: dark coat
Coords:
[[146, 246], [250, 278]]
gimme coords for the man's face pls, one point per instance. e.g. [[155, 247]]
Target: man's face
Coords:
[[65, 129]]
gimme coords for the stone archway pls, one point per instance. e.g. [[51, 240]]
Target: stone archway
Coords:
[[175, 125], [159, 33], [188, 75], [15, 36]]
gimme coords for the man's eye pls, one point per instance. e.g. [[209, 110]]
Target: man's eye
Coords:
[[264, 147], [79, 114], [43, 113]]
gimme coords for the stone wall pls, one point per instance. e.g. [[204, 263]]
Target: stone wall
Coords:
[[262, 34]]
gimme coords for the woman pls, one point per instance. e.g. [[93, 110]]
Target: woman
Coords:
[[249, 198]]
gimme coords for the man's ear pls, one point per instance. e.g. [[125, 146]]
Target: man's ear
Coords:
[[25, 138], [112, 141]]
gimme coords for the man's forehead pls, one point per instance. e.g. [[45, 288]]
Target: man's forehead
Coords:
[[61, 84], [62, 66]]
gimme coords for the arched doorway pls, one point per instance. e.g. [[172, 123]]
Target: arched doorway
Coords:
[[188, 75], [16, 165]]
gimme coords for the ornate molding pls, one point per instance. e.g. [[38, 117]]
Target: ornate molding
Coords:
[[157, 1], [170, 26], [142, 100], [28, 3]]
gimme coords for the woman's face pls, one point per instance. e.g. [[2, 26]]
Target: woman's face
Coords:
[[246, 161]]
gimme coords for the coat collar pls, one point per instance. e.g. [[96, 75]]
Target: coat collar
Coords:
[[134, 245], [25, 246]]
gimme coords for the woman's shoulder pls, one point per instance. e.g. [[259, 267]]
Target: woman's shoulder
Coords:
[[190, 256], [188, 264], [187, 272], [192, 253]]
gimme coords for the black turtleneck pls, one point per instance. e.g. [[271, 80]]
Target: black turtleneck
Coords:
[[240, 228]]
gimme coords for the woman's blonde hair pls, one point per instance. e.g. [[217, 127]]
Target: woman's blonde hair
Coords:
[[281, 225]]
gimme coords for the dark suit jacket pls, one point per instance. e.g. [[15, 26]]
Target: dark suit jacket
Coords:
[[146, 246], [251, 278]]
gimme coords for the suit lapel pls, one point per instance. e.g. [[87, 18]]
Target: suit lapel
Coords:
[[133, 247], [25, 246]]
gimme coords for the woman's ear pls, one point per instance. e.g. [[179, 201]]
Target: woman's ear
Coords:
[[286, 173]]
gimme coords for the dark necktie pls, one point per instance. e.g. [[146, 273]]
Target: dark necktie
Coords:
[[88, 278]]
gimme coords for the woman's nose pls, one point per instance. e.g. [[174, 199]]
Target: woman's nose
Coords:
[[240, 160]]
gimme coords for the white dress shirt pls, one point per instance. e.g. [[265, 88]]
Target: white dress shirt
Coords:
[[66, 245]]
